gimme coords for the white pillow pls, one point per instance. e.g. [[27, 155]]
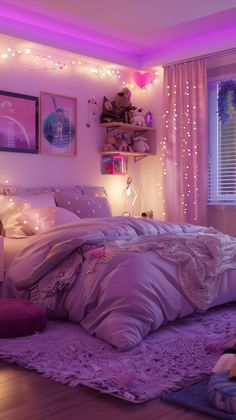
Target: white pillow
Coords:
[[37, 220], [11, 208]]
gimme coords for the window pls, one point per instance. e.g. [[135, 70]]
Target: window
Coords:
[[222, 152]]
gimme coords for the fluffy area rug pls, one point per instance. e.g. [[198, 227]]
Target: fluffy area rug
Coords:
[[181, 353]]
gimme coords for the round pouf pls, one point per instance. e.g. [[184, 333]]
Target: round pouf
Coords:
[[21, 317], [221, 392]]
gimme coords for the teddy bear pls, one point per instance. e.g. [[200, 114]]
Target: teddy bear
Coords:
[[108, 112], [122, 105], [110, 144], [137, 117], [141, 145]]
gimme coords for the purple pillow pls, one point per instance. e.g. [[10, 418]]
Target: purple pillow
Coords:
[[94, 191], [84, 206]]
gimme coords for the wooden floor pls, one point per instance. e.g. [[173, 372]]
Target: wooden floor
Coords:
[[26, 395]]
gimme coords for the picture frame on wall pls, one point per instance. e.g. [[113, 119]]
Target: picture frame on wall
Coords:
[[19, 119], [113, 165], [58, 124]]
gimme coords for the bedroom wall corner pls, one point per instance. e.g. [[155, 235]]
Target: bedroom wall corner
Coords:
[[19, 75], [151, 169]]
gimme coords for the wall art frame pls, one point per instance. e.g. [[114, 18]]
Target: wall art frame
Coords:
[[19, 122], [58, 115]]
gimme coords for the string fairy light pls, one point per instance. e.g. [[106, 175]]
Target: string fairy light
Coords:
[[37, 59], [185, 124]]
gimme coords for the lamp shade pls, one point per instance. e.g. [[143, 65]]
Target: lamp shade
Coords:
[[129, 194]]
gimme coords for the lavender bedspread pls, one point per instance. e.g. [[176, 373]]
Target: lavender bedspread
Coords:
[[122, 278]]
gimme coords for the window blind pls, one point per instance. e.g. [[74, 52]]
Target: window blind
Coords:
[[222, 154]]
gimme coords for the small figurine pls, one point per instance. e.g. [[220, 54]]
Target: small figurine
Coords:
[[148, 119]]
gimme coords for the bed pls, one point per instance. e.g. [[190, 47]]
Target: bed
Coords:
[[121, 278]]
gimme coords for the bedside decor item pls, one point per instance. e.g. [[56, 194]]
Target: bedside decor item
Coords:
[[226, 100], [18, 122], [58, 124], [130, 194]]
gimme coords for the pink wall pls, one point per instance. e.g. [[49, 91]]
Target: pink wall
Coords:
[[18, 75]]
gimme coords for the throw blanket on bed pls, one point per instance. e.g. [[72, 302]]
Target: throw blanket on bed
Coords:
[[126, 289], [201, 257]]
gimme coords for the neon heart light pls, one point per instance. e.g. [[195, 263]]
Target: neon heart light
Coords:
[[142, 79]]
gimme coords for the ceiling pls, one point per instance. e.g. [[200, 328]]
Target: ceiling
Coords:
[[134, 33]]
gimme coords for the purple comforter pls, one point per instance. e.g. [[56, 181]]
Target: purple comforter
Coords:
[[122, 278]]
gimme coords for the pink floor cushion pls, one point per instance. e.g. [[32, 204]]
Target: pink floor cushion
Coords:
[[20, 317], [221, 392]]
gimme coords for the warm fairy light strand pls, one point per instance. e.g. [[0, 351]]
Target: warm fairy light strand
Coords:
[[80, 64], [187, 127]]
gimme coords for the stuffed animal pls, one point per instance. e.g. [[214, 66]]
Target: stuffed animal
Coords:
[[122, 105], [141, 145], [108, 112], [123, 142], [110, 144], [137, 117]]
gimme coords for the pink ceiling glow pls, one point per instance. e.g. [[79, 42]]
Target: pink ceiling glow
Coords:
[[136, 34]]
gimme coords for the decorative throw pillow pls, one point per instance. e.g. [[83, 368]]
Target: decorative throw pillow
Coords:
[[40, 219], [84, 206], [72, 189], [23, 191], [94, 191], [11, 208]]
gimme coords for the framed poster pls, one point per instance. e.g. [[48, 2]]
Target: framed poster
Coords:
[[113, 165], [118, 165], [58, 124], [18, 122]]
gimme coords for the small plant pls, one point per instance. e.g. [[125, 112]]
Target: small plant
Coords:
[[226, 100]]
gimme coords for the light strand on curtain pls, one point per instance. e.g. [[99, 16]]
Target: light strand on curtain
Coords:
[[184, 144]]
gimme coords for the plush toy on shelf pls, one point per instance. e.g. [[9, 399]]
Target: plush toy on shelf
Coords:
[[122, 106], [110, 144], [123, 141], [137, 117], [108, 112], [141, 145]]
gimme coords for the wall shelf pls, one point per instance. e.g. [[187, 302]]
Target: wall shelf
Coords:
[[136, 155], [137, 129]]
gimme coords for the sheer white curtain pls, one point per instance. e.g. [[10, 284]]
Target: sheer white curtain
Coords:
[[185, 142]]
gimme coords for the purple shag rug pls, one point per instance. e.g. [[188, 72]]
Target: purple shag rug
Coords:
[[175, 356]]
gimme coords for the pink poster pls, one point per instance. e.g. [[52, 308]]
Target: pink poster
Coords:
[[18, 122]]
